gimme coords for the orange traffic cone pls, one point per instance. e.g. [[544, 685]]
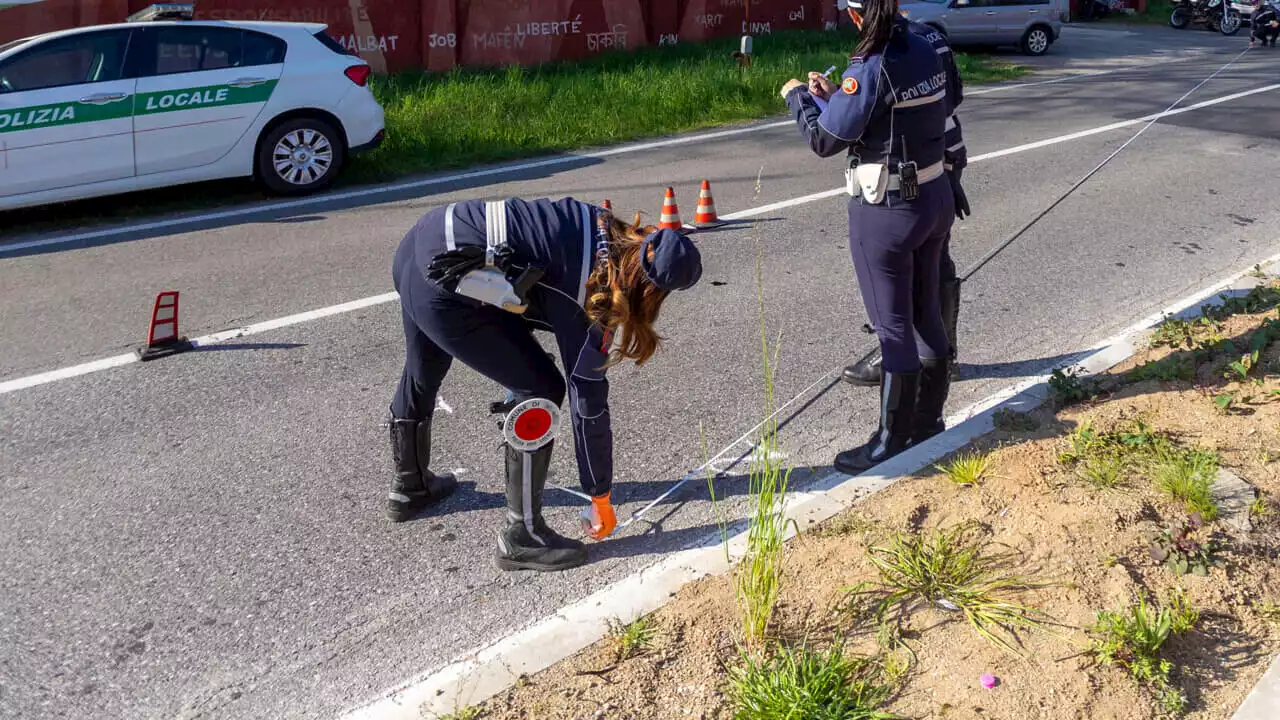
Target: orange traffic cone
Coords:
[[670, 212], [705, 216]]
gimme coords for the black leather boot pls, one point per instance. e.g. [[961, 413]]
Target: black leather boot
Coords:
[[865, 372], [950, 300], [897, 416], [935, 384], [415, 487], [526, 542]]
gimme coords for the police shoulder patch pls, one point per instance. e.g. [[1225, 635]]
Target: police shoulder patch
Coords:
[[850, 86]]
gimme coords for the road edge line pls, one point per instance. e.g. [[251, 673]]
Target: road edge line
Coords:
[[481, 674]]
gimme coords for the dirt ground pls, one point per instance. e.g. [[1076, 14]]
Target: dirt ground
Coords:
[[1089, 545]]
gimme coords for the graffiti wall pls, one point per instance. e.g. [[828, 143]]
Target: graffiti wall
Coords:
[[439, 34]]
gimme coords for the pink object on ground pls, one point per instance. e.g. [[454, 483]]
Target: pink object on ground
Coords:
[[988, 680]]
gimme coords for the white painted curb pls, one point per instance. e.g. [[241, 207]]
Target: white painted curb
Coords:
[[1264, 702], [481, 674]]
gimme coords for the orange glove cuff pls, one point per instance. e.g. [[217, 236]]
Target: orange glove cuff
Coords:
[[599, 521]]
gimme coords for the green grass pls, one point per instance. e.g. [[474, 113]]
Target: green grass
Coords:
[[968, 468], [1186, 475], [1173, 367], [796, 684], [1132, 638], [1157, 13], [759, 576], [954, 570], [634, 638], [474, 115], [471, 712]]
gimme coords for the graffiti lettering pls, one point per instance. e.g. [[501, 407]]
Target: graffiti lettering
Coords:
[[615, 38], [796, 15], [564, 27], [368, 43], [755, 28], [668, 39], [446, 40], [490, 41], [709, 21]]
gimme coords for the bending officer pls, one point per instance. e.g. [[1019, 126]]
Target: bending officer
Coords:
[[475, 279]]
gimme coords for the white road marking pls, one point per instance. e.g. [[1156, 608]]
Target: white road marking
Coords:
[[440, 403], [126, 359], [469, 175]]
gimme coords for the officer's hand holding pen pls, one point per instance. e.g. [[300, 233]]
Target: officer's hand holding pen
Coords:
[[820, 86]]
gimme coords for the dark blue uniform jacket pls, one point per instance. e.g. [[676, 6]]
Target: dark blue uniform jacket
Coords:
[[560, 236], [890, 106]]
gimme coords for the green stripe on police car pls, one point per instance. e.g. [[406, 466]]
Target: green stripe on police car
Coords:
[[44, 116], [195, 98]]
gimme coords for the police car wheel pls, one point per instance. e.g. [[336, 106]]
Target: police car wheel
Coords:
[[1035, 41], [300, 156]]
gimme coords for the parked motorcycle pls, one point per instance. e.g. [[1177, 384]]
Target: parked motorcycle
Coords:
[[1215, 15]]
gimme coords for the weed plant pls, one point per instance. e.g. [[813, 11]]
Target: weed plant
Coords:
[[1187, 475], [954, 570], [1168, 369], [633, 638], [968, 468], [470, 712], [1132, 639], [1014, 421], [804, 684]]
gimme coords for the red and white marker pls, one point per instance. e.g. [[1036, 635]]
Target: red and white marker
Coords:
[[162, 336], [531, 424]]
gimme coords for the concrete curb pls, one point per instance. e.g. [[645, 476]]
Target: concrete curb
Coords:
[[479, 675], [1264, 702]]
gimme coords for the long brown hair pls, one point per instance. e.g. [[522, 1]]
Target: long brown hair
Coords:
[[619, 296]]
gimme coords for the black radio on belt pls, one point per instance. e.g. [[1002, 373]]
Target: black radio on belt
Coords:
[[908, 181]]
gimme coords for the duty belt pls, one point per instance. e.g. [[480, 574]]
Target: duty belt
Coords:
[[933, 172]]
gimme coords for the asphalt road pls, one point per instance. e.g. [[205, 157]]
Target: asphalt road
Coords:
[[202, 536]]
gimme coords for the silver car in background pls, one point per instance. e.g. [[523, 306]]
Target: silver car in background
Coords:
[[1032, 25]]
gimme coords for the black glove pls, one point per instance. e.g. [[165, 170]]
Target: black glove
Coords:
[[446, 269], [962, 202]]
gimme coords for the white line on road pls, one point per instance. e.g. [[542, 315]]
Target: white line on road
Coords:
[[118, 360], [469, 175]]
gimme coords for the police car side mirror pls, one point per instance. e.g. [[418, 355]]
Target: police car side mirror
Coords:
[[959, 3]]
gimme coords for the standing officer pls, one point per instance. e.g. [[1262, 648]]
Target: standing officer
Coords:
[[890, 113], [474, 280], [867, 370]]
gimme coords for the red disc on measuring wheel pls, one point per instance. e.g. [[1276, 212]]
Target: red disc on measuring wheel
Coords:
[[531, 424]]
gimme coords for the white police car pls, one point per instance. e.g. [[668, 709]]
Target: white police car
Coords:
[[157, 101]]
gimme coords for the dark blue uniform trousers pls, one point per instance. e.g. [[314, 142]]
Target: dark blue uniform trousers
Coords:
[[897, 251], [440, 326]]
